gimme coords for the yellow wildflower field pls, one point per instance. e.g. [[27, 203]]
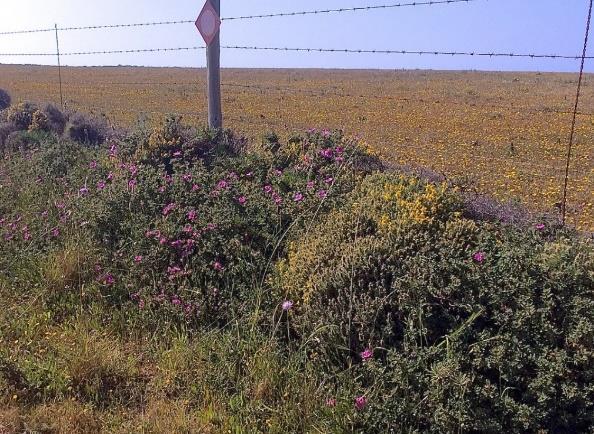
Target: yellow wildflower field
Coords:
[[507, 132]]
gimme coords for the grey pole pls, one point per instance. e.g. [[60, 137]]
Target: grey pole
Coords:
[[213, 65]]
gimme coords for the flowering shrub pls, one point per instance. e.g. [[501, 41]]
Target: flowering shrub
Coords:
[[21, 115], [467, 319], [374, 287]]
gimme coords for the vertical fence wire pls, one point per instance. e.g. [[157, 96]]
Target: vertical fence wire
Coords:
[[59, 66], [573, 122]]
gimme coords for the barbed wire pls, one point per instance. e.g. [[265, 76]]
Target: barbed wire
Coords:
[[244, 17], [102, 26], [85, 53], [413, 52], [321, 50], [351, 9]]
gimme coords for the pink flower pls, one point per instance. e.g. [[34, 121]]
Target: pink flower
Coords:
[[187, 177], [326, 133], [277, 172], [360, 402], [110, 176], [84, 191], [242, 200], [93, 165], [177, 154], [322, 194], [167, 210], [479, 257], [133, 169], [100, 185], [218, 266], [310, 185], [287, 305], [195, 187], [138, 259], [107, 279], [366, 354], [540, 226], [329, 180], [331, 402], [326, 153], [222, 184], [55, 232], [298, 197], [141, 304], [132, 184], [192, 215], [268, 189]]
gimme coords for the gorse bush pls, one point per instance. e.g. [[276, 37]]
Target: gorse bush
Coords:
[[178, 279], [21, 115], [471, 326]]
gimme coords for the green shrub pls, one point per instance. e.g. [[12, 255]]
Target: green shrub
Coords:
[[471, 326], [4, 99], [21, 115], [86, 130], [56, 120]]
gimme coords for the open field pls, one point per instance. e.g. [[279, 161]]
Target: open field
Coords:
[[507, 132]]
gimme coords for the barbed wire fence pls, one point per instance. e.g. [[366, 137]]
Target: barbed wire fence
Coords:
[[351, 51]]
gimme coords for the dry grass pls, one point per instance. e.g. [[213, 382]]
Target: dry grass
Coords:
[[507, 132]]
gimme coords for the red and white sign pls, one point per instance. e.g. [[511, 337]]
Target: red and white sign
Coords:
[[208, 23]]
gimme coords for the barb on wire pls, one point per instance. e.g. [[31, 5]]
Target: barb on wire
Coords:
[[351, 9], [575, 110]]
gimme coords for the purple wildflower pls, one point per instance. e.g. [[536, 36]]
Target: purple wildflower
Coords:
[[360, 402], [170, 207], [298, 197], [93, 165], [242, 200], [192, 215], [366, 354], [479, 257], [287, 305]]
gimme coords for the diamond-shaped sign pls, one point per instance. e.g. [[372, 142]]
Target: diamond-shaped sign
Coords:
[[208, 23]]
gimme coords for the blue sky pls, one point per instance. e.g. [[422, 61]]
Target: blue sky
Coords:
[[538, 26]]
